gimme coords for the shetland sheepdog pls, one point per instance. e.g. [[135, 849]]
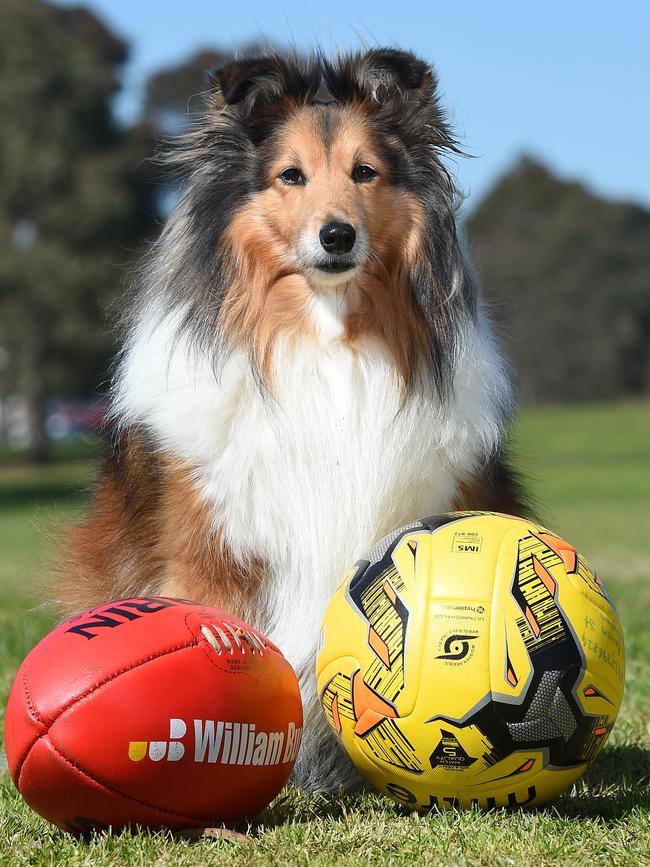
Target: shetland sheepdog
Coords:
[[307, 363]]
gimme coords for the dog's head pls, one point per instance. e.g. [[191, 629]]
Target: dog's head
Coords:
[[308, 176]]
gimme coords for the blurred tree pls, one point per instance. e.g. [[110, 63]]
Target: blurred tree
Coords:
[[174, 94], [567, 275], [75, 198], [566, 272]]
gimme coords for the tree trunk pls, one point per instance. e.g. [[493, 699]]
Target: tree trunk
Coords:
[[34, 385]]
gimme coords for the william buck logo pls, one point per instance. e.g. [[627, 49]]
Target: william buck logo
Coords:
[[221, 742]]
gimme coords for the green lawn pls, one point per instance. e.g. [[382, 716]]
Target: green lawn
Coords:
[[590, 470]]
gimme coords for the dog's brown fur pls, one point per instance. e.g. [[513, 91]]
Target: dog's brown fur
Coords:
[[149, 532]]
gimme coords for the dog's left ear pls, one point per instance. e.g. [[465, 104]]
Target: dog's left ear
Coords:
[[398, 89], [379, 75], [389, 70]]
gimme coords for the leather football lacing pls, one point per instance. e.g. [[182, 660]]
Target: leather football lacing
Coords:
[[230, 636]]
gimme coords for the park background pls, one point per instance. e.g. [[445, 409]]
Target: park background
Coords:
[[551, 102]]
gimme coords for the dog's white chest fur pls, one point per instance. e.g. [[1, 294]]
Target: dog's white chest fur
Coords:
[[306, 480]]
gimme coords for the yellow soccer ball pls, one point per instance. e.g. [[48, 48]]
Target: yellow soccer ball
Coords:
[[471, 660]]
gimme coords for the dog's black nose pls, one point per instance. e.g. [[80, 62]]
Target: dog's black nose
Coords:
[[337, 237]]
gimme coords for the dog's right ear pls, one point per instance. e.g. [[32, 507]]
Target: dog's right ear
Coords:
[[254, 86], [235, 81]]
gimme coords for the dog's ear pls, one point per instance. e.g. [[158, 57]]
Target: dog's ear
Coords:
[[379, 75], [257, 87], [399, 90], [240, 79]]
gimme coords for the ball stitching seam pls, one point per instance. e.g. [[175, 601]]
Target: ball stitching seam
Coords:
[[109, 788], [78, 698]]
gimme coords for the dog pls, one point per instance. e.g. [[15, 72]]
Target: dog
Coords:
[[307, 362]]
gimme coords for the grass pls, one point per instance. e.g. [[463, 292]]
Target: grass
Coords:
[[590, 470]]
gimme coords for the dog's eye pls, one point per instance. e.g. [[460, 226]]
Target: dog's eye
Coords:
[[292, 176], [363, 174]]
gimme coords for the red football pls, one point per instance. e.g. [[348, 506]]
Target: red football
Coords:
[[155, 712]]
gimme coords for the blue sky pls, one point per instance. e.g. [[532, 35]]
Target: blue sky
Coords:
[[566, 81]]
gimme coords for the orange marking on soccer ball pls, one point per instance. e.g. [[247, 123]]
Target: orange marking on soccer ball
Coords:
[[566, 552], [388, 590], [532, 622], [544, 576], [513, 680], [370, 709], [336, 716], [379, 646]]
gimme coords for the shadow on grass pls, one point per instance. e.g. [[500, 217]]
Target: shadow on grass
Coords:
[[296, 806], [617, 783], [67, 476], [42, 494], [84, 448]]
